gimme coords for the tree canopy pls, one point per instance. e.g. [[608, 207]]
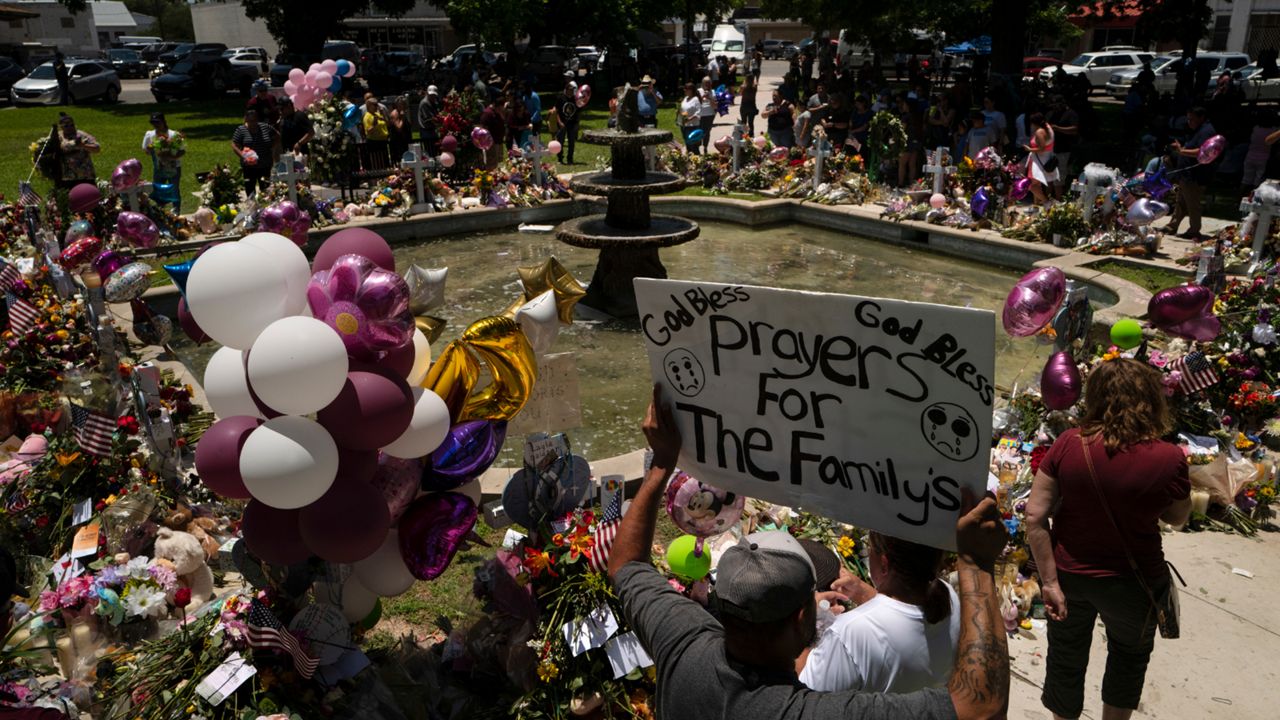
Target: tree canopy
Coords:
[[303, 26]]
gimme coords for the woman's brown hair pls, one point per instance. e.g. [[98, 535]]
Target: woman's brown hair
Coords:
[[1124, 402]]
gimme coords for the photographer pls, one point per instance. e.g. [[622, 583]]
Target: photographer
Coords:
[[75, 149], [781, 121]]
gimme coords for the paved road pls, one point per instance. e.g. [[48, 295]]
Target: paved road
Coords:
[[136, 91]]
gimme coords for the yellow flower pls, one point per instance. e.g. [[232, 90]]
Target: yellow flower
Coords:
[[1242, 442], [1267, 491], [62, 334], [110, 499], [547, 671], [845, 546]]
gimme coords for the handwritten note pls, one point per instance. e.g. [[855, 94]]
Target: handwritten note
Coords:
[[875, 412], [555, 404]]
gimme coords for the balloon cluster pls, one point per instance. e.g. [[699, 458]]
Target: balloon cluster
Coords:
[[724, 98], [702, 511], [317, 82], [287, 219], [1033, 302]]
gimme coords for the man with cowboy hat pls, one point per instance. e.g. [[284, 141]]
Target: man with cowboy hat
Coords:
[[648, 100]]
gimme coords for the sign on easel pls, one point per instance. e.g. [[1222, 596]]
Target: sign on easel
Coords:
[[870, 411]]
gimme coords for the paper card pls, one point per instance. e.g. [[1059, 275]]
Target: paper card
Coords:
[[626, 654], [25, 265], [610, 487], [512, 538], [591, 631], [65, 568], [82, 512], [223, 681], [554, 404], [85, 543], [541, 449]]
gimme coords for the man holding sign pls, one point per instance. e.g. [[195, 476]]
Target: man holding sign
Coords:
[[743, 665]]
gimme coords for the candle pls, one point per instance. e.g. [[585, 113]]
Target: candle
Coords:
[[82, 638], [66, 656]]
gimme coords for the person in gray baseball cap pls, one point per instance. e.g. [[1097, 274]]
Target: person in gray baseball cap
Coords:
[[742, 665]]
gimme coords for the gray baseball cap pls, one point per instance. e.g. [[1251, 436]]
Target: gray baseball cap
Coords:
[[764, 578]]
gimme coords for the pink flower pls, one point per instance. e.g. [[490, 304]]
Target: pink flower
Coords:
[[48, 601], [366, 305]]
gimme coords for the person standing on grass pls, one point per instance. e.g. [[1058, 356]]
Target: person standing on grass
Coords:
[[166, 160], [1194, 176], [689, 118], [748, 108], [647, 101], [76, 150], [377, 133], [63, 77], [428, 120], [706, 112], [567, 114], [254, 143], [533, 106], [400, 128]]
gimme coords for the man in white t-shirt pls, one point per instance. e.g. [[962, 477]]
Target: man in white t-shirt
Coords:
[[888, 644]]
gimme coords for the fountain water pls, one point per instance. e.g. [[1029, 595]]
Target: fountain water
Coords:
[[628, 235]]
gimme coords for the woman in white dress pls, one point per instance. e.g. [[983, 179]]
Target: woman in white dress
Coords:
[[1042, 166]]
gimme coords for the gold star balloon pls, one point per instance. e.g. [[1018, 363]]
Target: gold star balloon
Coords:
[[551, 275]]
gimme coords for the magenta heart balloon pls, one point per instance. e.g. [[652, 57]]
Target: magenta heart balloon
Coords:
[[298, 231], [432, 530], [272, 220], [1033, 301], [398, 480], [481, 138], [468, 450], [1201, 329], [1060, 382], [80, 253], [137, 229], [1175, 305], [110, 261], [126, 175], [366, 305], [1021, 187], [1211, 149]]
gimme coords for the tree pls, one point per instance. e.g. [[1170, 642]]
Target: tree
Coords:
[[502, 22], [173, 18], [303, 26]]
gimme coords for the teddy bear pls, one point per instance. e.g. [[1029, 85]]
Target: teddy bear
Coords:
[[1023, 595], [181, 518], [183, 550]]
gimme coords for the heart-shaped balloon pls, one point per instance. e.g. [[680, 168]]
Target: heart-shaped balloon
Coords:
[[126, 175], [398, 480], [432, 530], [137, 229], [468, 450], [1021, 187], [110, 261], [80, 253], [1033, 301], [1060, 383], [1179, 304], [78, 229], [1201, 329]]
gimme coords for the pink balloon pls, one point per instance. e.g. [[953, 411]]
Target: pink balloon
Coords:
[[398, 480], [218, 455], [1200, 329], [298, 76], [272, 534], [700, 509], [778, 154], [347, 524], [351, 69], [290, 87], [354, 241], [313, 77], [432, 530], [366, 305], [481, 138], [324, 79], [1211, 149], [937, 201], [760, 142], [446, 159], [1033, 301], [137, 229], [583, 96], [1060, 383], [373, 408], [399, 362], [1021, 187], [109, 262], [190, 326], [126, 175], [80, 253], [1179, 304], [554, 147], [329, 66], [449, 144]]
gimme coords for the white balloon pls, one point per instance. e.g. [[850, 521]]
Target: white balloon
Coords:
[[288, 462], [384, 572], [291, 261], [471, 490], [234, 291], [226, 386], [427, 429], [540, 321], [327, 630], [421, 359], [298, 365], [357, 600]]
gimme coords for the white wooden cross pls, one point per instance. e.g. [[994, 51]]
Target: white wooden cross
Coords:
[[738, 140], [286, 171], [415, 160], [1098, 179], [1265, 203], [937, 167], [535, 152], [131, 193], [820, 151]]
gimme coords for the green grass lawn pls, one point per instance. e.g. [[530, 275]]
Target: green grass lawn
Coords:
[[1153, 279]]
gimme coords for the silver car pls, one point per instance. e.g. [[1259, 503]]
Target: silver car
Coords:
[[87, 80], [1256, 88], [1119, 83]]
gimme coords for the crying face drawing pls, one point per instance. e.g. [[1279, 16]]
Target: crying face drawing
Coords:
[[684, 372], [951, 430]]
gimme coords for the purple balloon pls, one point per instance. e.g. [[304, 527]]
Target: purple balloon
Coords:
[[1021, 187], [357, 465], [1033, 301], [481, 138], [189, 324], [137, 229], [979, 202], [468, 450], [367, 306], [1156, 184], [1060, 383], [126, 175], [398, 480], [272, 534], [347, 524], [218, 455], [1175, 305], [110, 261], [432, 530], [83, 197], [400, 360], [354, 241], [299, 229], [373, 408], [1201, 329]]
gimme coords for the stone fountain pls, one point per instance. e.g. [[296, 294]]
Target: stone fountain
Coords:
[[628, 235]]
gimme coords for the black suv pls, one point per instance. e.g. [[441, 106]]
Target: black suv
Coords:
[[127, 62], [202, 71]]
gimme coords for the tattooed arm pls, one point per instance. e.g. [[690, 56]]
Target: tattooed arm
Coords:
[[979, 683]]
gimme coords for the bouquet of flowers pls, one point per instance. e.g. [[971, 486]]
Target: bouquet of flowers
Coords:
[[174, 146], [56, 341], [134, 590], [332, 143], [221, 186], [45, 157]]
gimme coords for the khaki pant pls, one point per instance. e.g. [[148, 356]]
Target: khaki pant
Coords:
[[1190, 204]]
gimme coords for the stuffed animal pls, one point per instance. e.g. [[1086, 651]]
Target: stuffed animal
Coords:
[[24, 460], [181, 518], [1024, 595], [184, 551]]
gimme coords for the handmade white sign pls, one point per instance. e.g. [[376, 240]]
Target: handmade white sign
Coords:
[[870, 411]]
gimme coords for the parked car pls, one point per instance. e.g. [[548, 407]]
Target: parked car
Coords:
[[127, 63], [259, 51], [10, 73], [790, 50], [462, 55], [87, 80], [151, 53], [1097, 67], [203, 73], [249, 60], [588, 56], [549, 63], [773, 49], [396, 71], [1258, 88], [1119, 82], [1166, 76], [1031, 66], [705, 44]]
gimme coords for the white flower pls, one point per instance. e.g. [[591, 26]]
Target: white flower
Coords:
[[145, 601], [137, 568]]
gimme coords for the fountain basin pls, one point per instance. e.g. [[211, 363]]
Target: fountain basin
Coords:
[[607, 184], [615, 138], [595, 232]]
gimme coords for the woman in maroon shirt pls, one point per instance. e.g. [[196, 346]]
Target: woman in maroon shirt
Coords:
[[1084, 571]]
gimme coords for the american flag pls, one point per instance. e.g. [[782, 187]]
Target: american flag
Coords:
[[27, 195], [264, 630], [606, 531], [1197, 372], [22, 314], [93, 430], [10, 275]]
